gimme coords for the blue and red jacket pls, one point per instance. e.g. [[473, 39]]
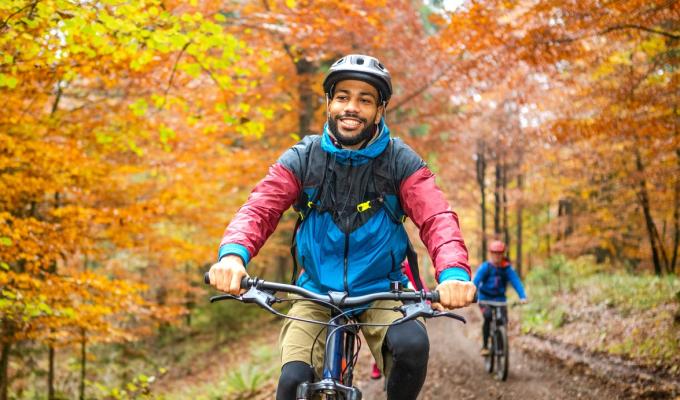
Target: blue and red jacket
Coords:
[[351, 237], [491, 282]]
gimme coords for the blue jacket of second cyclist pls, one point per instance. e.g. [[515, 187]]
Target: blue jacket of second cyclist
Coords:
[[491, 282]]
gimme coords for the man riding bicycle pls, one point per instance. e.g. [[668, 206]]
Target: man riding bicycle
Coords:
[[353, 186], [491, 280]]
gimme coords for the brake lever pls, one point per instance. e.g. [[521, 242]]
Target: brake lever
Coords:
[[260, 297], [415, 310], [449, 314], [424, 309], [224, 297], [253, 295]]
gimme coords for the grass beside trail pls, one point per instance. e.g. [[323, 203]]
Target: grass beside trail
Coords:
[[245, 377], [595, 307]]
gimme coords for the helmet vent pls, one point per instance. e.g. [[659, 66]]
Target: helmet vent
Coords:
[[360, 61]]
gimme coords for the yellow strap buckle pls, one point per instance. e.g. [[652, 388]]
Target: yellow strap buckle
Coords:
[[361, 207]]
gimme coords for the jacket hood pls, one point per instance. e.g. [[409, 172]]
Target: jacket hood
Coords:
[[373, 150]]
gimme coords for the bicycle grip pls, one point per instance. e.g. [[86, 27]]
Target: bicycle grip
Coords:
[[244, 281], [435, 296]]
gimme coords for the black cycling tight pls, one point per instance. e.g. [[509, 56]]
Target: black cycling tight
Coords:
[[292, 374], [409, 348]]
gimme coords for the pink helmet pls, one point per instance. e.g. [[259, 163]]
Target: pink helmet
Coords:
[[497, 246]]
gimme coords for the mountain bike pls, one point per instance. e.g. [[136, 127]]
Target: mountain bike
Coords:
[[499, 350], [342, 333]]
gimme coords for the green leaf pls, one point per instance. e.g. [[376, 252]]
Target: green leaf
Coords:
[[135, 149], [139, 107], [8, 81], [165, 134], [68, 312], [45, 308], [193, 69], [5, 241], [8, 294], [178, 41]]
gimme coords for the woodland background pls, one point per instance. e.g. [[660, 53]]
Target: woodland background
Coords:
[[131, 131]]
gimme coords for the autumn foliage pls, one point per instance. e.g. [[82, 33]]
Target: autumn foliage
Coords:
[[131, 131]]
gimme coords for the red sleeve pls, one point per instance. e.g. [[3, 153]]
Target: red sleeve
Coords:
[[425, 204], [256, 220]]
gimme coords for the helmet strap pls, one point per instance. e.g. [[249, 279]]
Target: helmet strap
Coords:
[[384, 114]]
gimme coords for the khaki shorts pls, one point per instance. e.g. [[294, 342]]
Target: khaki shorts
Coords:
[[295, 341]]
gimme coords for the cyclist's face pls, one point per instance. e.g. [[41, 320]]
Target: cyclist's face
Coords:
[[496, 258], [354, 111]]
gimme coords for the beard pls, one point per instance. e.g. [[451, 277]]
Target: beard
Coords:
[[365, 135]]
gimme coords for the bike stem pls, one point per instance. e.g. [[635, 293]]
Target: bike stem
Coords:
[[335, 335]]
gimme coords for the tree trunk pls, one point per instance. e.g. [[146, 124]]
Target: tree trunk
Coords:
[[50, 373], [676, 206], [643, 198], [4, 370], [481, 181], [306, 95], [497, 200], [83, 363], [504, 190], [518, 253], [547, 235], [189, 300], [283, 270]]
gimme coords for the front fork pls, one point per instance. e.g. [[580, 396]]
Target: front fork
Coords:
[[339, 345], [306, 390]]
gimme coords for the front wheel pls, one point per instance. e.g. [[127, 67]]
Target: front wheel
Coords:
[[502, 353], [489, 358]]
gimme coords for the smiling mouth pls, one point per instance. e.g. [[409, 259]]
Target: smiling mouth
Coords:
[[350, 123]]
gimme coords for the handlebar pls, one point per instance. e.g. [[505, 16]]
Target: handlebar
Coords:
[[493, 303], [339, 299], [261, 292]]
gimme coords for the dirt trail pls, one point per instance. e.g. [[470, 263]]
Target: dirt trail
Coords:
[[539, 369], [456, 371]]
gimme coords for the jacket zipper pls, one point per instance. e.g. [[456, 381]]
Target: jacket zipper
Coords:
[[347, 223], [346, 261]]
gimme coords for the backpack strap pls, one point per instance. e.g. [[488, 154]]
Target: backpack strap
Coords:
[[304, 206]]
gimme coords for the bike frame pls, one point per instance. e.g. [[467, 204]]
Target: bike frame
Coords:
[[498, 352], [340, 333], [496, 311]]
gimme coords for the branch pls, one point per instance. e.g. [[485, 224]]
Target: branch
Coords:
[[640, 28], [423, 88], [172, 74], [618, 28], [5, 23]]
